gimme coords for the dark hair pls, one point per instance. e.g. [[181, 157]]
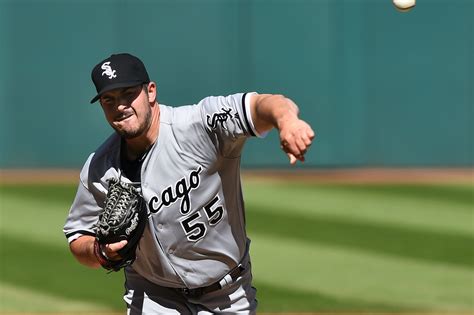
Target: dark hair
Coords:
[[145, 88]]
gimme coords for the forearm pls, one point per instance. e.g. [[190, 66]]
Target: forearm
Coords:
[[83, 250], [271, 111]]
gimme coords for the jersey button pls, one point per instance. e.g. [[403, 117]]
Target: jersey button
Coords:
[[170, 251], [160, 226]]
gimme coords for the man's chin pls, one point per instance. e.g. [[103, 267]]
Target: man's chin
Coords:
[[129, 134]]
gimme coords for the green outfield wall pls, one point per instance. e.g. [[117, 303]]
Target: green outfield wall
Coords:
[[380, 87]]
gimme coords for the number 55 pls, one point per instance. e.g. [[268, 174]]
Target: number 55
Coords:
[[196, 230]]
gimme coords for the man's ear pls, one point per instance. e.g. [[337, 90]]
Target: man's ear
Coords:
[[152, 92]]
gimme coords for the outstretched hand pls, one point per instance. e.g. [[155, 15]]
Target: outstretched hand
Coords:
[[277, 111], [296, 137]]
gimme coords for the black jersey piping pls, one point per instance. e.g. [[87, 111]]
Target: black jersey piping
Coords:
[[247, 122], [83, 232]]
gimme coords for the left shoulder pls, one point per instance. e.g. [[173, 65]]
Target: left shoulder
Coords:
[[180, 114]]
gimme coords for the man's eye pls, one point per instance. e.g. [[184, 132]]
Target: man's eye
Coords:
[[130, 95]]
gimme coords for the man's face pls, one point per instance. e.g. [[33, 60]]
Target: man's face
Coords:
[[127, 110]]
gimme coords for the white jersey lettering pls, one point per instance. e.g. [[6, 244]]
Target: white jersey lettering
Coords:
[[181, 191]]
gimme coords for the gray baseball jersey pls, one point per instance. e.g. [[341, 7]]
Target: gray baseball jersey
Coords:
[[190, 179]]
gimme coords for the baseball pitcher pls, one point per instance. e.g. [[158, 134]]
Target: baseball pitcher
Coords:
[[161, 198]]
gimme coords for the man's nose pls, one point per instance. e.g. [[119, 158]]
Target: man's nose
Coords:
[[121, 106], [121, 103]]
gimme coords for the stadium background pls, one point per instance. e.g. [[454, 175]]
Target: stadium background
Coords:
[[381, 89]]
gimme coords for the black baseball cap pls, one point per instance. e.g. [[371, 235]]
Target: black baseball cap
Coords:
[[118, 71]]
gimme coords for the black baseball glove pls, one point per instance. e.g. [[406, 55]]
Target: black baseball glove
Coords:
[[124, 218]]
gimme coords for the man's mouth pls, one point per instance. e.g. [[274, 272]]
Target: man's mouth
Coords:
[[124, 116]]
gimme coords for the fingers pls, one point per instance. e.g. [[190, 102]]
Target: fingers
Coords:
[[293, 158], [308, 137], [301, 146], [111, 249], [116, 246], [295, 152], [296, 139]]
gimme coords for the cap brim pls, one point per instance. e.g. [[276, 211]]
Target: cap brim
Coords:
[[115, 86]]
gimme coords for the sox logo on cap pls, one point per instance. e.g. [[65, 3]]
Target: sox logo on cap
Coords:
[[108, 70]]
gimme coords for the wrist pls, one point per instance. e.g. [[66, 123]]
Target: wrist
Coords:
[[100, 255], [287, 115], [285, 119]]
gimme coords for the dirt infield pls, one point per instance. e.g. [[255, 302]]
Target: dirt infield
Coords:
[[343, 176], [38, 176], [370, 175]]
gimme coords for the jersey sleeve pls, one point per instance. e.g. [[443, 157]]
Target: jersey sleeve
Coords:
[[84, 211], [229, 116], [228, 121]]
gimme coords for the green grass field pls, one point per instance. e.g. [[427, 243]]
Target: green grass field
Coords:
[[315, 248]]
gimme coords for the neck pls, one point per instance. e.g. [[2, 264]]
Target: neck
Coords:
[[139, 145]]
